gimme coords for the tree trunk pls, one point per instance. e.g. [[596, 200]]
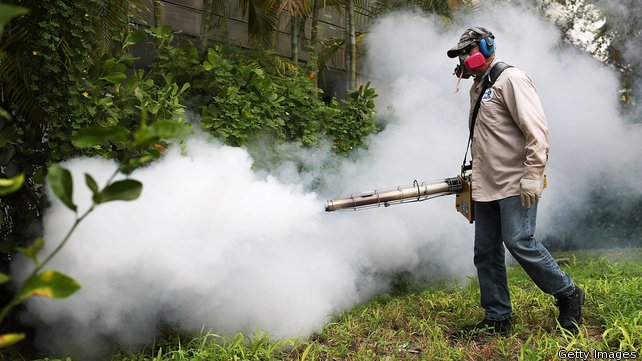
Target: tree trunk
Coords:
[[314, 33], [314, 43], [206, 16], [158, 14], [294, 39], [351, 48]]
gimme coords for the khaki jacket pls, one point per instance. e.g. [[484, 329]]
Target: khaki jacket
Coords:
[[511, 136]]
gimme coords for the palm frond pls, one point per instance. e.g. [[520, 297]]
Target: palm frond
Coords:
[[262, 21], [330, 50], [114, 14], [439, 7], [282, 65], [13, 77], [336, 4], [300, 28], [222, 8], [380, 7], [361, 5], [134, 9], [444, 8], [299, 8]]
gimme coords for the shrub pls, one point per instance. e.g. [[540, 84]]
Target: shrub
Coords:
[[242, 95]]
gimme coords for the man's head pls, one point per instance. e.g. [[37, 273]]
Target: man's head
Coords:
[[475, 49]]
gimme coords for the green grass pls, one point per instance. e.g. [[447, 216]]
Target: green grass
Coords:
[[419, 324]]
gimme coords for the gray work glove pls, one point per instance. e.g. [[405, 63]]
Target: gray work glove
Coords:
[[531, 190]]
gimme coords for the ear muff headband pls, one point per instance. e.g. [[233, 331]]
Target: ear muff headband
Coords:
[[486, 44]]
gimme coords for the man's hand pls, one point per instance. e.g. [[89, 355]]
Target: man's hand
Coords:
[[531, 190]]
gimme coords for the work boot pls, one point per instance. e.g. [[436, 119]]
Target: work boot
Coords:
[[571, 310], [502, 327]]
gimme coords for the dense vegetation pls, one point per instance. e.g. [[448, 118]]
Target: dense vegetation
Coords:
[[245, 94], [238, 96]]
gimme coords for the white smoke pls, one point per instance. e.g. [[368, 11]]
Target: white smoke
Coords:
[[589, 145], [212, 242]]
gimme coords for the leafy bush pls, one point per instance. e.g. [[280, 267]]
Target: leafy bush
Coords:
[[132, 112], [245, 94], [42, 81], [245, 102], [355, 122], [95, 105]]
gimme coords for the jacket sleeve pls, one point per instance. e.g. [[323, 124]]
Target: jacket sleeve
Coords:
[[526, 110]]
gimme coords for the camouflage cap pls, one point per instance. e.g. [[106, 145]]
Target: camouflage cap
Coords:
[[469, 37]]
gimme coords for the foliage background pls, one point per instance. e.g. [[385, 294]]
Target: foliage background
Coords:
[[68, 69]]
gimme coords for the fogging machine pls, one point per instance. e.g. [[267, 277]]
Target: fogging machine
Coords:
[[416, 192]]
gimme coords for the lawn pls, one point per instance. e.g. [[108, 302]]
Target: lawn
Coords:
[[420, 322]]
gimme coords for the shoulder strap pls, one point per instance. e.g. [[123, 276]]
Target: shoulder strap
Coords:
[[487, 82]]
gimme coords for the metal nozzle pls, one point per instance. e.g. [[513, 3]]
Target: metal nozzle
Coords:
[[404, 194]]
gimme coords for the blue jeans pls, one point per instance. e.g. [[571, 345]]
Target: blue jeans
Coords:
[[507, 222]]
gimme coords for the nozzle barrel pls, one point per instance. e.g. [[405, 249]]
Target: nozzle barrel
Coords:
[[403, 194]]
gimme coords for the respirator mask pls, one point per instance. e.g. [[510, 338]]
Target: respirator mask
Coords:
[[468, 64]]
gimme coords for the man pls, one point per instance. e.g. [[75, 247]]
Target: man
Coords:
[[509, 153]]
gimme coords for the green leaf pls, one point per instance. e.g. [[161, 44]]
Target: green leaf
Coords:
[[61, 184], [91, 184], [50, 284], [119, 68], [133, 38], [7, 12], [127, 58], [125, 190], [166, 30], [7, 135], [109, 63], [4, 114], [3, 278], [32, 251], [132, 83], [11, 185], [154, 107], [9, 339], [105, 102], [99, 135], [208, 122], [183, 88], [115, 77], [39, 176], [163, 129]]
